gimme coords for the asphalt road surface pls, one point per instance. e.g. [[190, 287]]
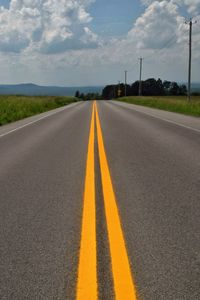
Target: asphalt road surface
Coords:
[[100, 201]]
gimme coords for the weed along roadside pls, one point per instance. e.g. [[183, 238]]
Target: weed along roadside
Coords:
[[176, 104], [14, 108]]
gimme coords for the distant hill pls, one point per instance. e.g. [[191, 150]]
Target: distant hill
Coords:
[[195, 87], [30, 89]]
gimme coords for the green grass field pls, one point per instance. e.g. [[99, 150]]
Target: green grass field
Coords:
[[13, 108], [177, 104]]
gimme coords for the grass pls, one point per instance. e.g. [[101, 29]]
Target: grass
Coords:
[[177, 104], [13, 108]]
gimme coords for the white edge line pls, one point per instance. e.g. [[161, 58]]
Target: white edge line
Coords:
[[163, 119], [35, 121]]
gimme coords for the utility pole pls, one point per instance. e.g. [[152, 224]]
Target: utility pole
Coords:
[[140, 81], [114, 92], [190, 58], [119, 89], [125, 92]]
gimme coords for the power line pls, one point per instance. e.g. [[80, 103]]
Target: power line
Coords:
[[170, 41]]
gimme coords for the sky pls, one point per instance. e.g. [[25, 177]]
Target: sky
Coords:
[[92, 42]]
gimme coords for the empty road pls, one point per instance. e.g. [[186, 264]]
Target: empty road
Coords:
[[100, 200]]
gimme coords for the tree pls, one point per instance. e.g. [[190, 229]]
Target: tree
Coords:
[[82, 96], [109, 92], [174, 89], [77, 94], [182, 90], [150, 87], [135, 88], [166, 86], [160, 87]]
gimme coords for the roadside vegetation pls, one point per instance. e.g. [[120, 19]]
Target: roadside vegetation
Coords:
[[177, 104], [165, 95], [88, 96], [13, 108]]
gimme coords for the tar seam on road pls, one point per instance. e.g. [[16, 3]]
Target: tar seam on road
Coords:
[[123, 282], [87, 271], [104, 270], [32, 122]]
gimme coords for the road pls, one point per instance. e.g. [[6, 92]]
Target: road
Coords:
[[100, 201]]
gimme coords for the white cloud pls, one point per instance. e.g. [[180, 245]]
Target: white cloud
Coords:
[[46, 26], [37, 29], [147, 2], [156, 26], [162, 26], [193, 6]]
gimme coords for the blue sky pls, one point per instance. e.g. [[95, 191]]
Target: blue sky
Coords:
[[92, 42], [4, 3], [114, 17]]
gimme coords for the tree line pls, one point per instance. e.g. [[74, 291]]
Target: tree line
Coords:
[[88, 96], [150, 87]]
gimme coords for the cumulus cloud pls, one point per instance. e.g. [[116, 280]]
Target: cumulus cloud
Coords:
[[161, 25], [193, 6], [47, 26], [43, 30], [156, 26]]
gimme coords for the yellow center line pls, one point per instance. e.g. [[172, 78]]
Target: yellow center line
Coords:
[[87, 271], [123, 283]]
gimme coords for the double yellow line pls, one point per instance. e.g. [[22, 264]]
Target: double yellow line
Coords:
[[87, 286]]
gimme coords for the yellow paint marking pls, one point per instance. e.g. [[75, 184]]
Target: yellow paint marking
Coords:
[[87, 272], [123, 282]]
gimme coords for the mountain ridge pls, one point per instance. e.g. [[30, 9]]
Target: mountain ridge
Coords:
[[31, 89]]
